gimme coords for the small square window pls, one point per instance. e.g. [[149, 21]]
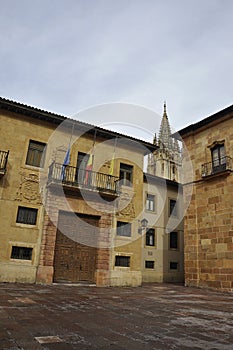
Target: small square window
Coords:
[[123, 261], [126, 174], [36, 154], [173, 240], [173, 207], [123, 229], [173, 265], [150, 202], [23, 253], [149, 264], [150, 237], [26, 215]]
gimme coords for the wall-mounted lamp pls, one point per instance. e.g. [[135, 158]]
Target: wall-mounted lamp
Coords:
[[143, 225]]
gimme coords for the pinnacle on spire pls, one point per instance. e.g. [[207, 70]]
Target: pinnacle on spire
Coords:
[[165, 130], [168, 154], [155, 140], [164, 109]]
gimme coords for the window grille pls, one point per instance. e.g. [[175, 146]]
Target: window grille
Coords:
[[26, 215], [123, 229], [123, 261], [149, 264], [173, 265], [23, 253]]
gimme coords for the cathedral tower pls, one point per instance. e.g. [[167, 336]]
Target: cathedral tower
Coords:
[[166, 160]]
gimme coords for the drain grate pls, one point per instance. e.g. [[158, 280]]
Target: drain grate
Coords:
[[48, 339]]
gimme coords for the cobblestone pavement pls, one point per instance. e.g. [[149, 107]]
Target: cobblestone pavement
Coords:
[[157, 316]]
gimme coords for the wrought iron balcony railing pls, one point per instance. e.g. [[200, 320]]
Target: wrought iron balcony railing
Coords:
[[216, 166], [3, 161], [82, 178]]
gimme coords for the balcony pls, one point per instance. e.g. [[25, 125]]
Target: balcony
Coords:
[[217, 167], [3, 162], [73, 177]]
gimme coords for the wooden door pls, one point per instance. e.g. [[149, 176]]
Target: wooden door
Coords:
[[74, 262]]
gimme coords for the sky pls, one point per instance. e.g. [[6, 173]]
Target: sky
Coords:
[[66, 56]]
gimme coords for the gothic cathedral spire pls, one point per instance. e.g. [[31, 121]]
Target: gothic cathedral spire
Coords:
[[166, 160], [165, 140]]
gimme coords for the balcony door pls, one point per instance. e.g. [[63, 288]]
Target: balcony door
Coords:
[[82, 161], [218, 158]]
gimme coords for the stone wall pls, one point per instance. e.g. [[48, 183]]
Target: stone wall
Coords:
[[20, 187], [209, 218]]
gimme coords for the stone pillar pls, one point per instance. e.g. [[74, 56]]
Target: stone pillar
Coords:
[[45, 269]]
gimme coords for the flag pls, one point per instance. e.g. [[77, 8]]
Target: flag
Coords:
[[111, 170], [88, 168], [67, 157], [65, 163]]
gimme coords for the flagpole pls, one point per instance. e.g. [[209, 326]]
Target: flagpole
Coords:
[[94, 139], [72, 132], [112, 166], [66, 161]]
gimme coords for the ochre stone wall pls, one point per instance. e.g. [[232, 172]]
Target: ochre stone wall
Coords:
[[160, 220], [208, 227], [26, 185], [20, 187]]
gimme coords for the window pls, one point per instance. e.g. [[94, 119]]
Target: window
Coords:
[[82, 160], [173, 169], [173, 207], [35, 155], [173, 265], [218, 158], [123, 229], [21, 253], [173, 240], [123, 261], [83, 171], [150, 202], [26, 215], [126, 174], [150, 237], [162, 167], [81, 166], [149, 264]]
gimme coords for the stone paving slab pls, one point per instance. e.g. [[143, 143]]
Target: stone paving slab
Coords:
[[154, 316]]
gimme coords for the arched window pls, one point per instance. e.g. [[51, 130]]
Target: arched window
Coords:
[[150, 237]]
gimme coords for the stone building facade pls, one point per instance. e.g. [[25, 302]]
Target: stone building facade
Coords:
[[67, 223], [72, 202], [208, 227], [163, 243]]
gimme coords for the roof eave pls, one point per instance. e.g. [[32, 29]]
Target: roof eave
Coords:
[[57, 119], [214, 118]]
